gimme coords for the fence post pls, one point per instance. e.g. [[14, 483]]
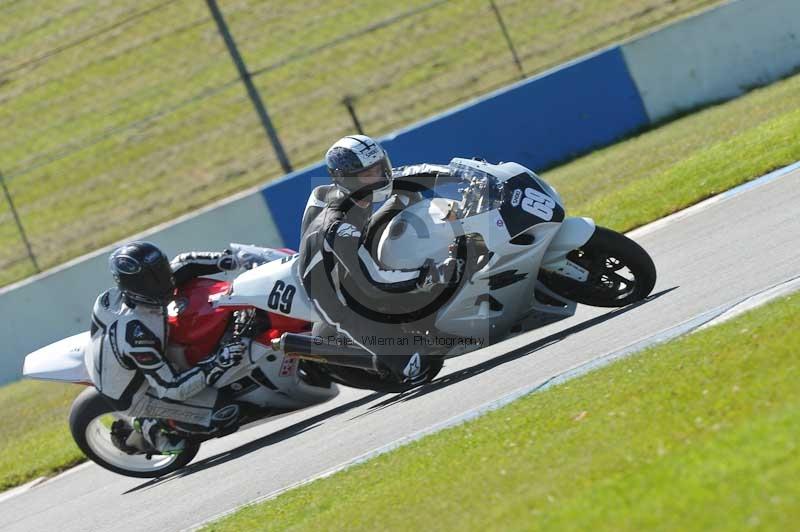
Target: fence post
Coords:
[[508, 38], [348, 102], [255, 97], [19, 224]]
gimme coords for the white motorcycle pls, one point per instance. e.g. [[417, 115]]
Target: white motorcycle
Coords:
[[525, 265]]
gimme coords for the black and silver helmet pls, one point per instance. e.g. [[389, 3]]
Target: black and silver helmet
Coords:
[[142, 272], [353, 159]]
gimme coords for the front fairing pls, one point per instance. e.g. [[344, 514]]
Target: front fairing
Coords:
[[497, 202], [522, 198], [526, 203]]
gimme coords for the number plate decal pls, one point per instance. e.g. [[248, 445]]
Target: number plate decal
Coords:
[[281, 297], [525, 204]]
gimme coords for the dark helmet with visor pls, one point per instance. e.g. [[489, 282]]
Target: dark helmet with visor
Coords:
[[360, 166], [142, 273]]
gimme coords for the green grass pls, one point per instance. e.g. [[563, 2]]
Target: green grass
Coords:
[[147, 121], [35, 439], [697, 434]]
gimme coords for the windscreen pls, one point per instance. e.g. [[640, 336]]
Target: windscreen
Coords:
[[472, 190]]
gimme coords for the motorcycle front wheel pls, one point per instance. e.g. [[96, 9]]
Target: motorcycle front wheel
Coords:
[[90, 421], [621, 272]]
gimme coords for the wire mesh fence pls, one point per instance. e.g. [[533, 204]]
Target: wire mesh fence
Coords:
[[115, 116]]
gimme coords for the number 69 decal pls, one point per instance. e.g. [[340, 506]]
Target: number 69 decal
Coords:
[[538, 204], [281, 297]]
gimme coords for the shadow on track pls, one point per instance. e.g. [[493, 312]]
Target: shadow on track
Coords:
[[276, 437], [520, 352]]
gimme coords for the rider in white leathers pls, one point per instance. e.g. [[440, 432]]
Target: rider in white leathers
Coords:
[[129, 349]]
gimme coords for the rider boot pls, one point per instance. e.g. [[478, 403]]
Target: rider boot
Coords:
[[413, 369], [150, 435]]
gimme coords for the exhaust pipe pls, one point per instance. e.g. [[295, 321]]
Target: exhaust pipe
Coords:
[[313, 348]]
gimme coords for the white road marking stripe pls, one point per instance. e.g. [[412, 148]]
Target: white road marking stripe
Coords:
[[42, 481], [19, 490]]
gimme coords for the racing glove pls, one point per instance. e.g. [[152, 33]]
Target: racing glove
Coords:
[[248, 257], [448, 272], [228, 261], [226, 358]]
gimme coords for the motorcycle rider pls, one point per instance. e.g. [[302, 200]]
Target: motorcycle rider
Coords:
[[346, 284], [402, 185], [129, 350]]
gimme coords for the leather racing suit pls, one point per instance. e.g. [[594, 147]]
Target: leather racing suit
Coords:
[[129, 361], [374, 307]]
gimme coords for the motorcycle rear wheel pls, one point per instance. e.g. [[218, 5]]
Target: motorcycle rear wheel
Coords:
[[90, 423], [621, 272]]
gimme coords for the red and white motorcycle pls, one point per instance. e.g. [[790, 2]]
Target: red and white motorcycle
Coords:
[[268, 381]]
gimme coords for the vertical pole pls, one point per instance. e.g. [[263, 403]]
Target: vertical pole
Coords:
[[348, 102], [19, 224], [255, 97], [508, 38]]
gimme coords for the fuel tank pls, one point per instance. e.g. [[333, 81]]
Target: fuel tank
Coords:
[[196, 325]]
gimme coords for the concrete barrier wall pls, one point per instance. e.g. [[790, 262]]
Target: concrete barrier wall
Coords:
[[593, 101], [716, 55], [570, 110], [58, 303]]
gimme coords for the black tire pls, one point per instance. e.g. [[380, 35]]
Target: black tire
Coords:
[[605, 255], [88, 407]]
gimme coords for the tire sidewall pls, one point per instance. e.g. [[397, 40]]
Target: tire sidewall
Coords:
[[88, 406]]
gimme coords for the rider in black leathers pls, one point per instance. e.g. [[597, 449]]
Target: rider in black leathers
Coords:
[[353, 293]]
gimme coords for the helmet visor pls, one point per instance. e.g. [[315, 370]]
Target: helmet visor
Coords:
[[371, 174], [372, 178]]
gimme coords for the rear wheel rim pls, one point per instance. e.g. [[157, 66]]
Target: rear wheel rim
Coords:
[[98, 438]]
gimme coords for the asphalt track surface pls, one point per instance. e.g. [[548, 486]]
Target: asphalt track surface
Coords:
[[713, 257]]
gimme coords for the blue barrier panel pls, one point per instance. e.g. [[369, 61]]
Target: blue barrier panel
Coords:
[[537, 122], [286, 199]]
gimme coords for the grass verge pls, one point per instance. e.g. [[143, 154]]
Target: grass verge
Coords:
[[35, 440], [629, 184], [699, 433]]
